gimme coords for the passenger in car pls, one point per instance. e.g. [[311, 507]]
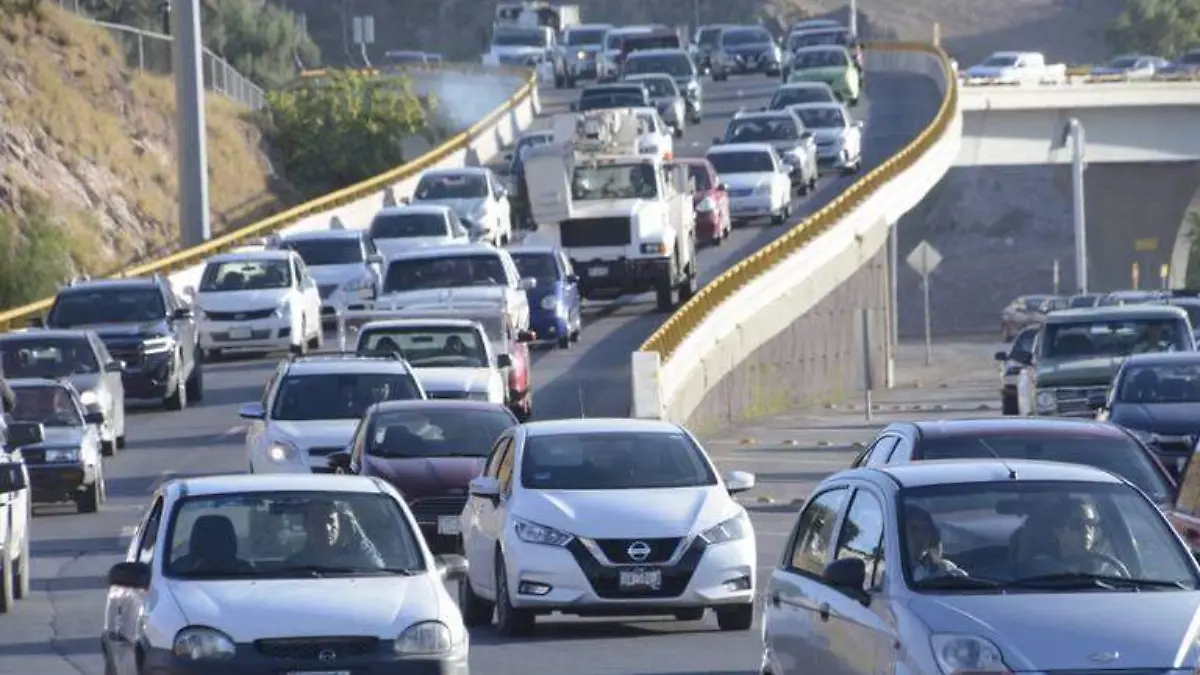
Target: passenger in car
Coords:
[[924, 544], [1067, 541]]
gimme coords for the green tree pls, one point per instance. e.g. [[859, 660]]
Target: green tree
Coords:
[[344, 128], [1162, 27], [34, 257]]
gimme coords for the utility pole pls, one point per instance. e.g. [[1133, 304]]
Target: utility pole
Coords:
[[187, 64], [854, 18], [1075, 132]]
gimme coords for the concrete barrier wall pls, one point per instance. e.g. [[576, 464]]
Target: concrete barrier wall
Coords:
[[786, 337]]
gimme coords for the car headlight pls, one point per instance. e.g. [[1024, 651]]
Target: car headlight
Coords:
[[89, 398], [62, 455], [284, 310], [550, 302], [581, 55], [957, 653], [425, 638], [693, 86], [532, 533], [734, 529], [1046, 399], [706, 205], [200, 643], [158, 345], [282, 452], [654, 248], [356, 285]]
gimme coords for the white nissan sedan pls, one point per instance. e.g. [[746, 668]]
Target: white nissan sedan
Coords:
[[605, 517]]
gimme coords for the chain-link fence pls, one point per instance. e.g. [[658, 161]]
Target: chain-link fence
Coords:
[[151, 52]]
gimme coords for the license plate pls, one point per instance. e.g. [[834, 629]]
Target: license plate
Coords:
[[640, 580], [449, 525], [598, 272], [239, 333]]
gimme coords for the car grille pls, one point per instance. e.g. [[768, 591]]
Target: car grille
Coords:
[[617, 550], [1079, 400], [312, 648], [740, 193], [613, 231], [448, 395], [260, 334], [132, 356], [429, 509], [324, 451], [326, 290], [247, 315], [605, 580]]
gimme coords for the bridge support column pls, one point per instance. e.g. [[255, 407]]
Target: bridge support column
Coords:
[[190, 128]]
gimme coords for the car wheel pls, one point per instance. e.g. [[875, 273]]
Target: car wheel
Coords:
[[736, 617], [178, 399], [21, 573], [1008, 406], [108, 448], [7, 597], [476, 611], [510, 621], [564, 342], [88, 501], [195, 381], [121, 442]]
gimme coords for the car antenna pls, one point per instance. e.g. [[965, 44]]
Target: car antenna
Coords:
[[1012, 473]]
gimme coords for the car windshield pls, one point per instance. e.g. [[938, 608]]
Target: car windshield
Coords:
[[408, 225], [539, 265], [613, 99], [660, 87], [709, 36], [762, 129], [833, 37], [451, 186], [822, 118], [1034, 303], [1193, 311], [50, 405], [1082, 301], [1123, 62], [1038, 537], [338, 396], [795, 95], [449, 271], [319, 252], [614, 181], [701, 181], [671, 64], [302, 535], [108, 305], [820, 58], [585, 37], [432, 432], [1113, 338], [1127, 298], [50, 358], [613, 461], [246, 275], [428, 346], [1000, 61], [1161, 383], [1122, 456], [741, 162], [741, 38], [519, 38]]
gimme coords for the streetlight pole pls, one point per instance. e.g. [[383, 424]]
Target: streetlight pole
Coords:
[[187, 65], [854, 18], [1078, 203]]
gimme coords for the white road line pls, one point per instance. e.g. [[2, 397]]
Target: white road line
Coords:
[[235, 430]]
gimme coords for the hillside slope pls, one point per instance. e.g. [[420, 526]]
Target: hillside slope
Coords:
[[82, 132]]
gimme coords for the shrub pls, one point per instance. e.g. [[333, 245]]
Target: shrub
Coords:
[[344, 128], [34, 255], [1162, 27]]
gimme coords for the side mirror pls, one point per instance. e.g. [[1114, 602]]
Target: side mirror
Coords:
[[1023, 358], [572, 278], [252, 411], [452, 567], [526, 336], [721, 187], [12, 477], [1000, 356], [130, 575], [182, 313], [677, 132], [503, 361], [848, 575], [117, 366], [527, 283], [764, 108], [375, 259], [37, 322], [338, 461], [484, 486], [21, 434], [858, 124], [739, 481], [806, 135], [94, 418]]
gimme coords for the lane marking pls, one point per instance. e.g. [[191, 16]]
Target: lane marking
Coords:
[[235, 430]]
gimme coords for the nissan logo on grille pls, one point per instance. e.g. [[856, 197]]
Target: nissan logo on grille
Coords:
[[638, 551], [327, 656]]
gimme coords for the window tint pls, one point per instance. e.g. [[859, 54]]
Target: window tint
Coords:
[[814, 533], [862, 536], [878, 454], [149, 534], [51, 358], [505, 470]]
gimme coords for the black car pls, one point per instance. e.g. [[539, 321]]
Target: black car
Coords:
[[1087, 442], [1013, 361], [746, 49], [1157, 398], [145, 326], [613, 95]]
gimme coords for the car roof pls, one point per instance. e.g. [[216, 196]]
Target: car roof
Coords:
[[19, 382], [739, 147], [449, 322], [1115, 313], [275, 482], [319, 364], [260, 254], [457, 171], [821, 48], [590, 26], [317, 235], [965, 471], [803, 85], [90, 284], [635, 30], [546, 249], [638, 77], [818, 105], [762, 114], [35, 333], [438, 404], [999, 426], [606, 86], [1163, 358], [599, 425], [664, 51], [418, 208], [478, 249]]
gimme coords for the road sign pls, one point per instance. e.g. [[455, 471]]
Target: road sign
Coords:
[[364, 30], [924, 259]]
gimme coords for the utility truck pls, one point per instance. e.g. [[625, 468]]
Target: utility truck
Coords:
[[624, 218]]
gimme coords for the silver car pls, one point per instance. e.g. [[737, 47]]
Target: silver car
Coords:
[[345, 264], [80, 357], [992, 566], [665, 95]]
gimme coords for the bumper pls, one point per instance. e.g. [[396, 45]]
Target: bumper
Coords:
[[578, 583], [153, 377], [708, 225], [548, 325], [613, 278], [54, 483], [274, 333], [249, 661], [833, 160], [753, 206]]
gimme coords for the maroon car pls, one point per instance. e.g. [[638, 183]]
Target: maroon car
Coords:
[[429, 451], [711, 201]]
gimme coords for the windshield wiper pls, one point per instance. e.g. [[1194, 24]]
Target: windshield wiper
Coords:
[[336, 570], [1074, 580], [950, 582]]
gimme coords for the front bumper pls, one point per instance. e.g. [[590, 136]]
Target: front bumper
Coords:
[[623, 276], [440, 520], [574, 579], [833, 158], [743, 65], [51, 483], [549, 325], [149, 375], [257, 335], [250, 660], [708, 225]]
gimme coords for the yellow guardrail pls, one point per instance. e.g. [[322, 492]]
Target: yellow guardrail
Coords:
[[184, 259], [672, 333], [1084, 77]]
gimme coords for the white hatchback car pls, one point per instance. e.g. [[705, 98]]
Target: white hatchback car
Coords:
[[397, 229], [281, 574], [475, 194], [597, 516], [758, 181]]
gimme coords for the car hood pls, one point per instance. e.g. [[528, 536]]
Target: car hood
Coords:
[[746, 181], [122, 332], [397, 245], [748, 50], [337, 274], [233, 301], [828, 135], [607, 514], [1089, 372], [544, 287], [317, 433], [453, 379], [417, 477], [442, 296], [376, 606], [60, 437], [826, 74], [1157, 632], [1168, 419], [464, 207], [517, 50]]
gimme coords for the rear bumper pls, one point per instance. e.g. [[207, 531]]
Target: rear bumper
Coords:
[[625, 276]]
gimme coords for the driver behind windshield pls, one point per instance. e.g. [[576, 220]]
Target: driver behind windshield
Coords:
[[1065, 541], [1152, 339], [333, 538], [923, 542]]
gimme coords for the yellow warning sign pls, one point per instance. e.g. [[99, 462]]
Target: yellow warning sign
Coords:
[[1146, 245]]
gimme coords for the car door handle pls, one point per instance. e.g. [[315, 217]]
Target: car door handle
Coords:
[[824, 611]]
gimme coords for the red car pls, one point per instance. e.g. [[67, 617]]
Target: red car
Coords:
[[711, 201]]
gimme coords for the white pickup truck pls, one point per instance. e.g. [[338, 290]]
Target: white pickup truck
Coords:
[[15, 507], [1016, 68]]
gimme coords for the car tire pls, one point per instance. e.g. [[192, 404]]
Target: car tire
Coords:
[[7, 597], [195, 381], [510, 621], [108, 448], [693, 614], [476, 611], [736, 617], [564, 342], [21, 572], [88, 501], [1008, 406], [121, 442], [178, 399]]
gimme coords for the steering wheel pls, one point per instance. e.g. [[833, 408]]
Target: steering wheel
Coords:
[[1120, 566]]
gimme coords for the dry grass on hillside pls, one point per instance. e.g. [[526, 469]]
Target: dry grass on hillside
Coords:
[[79, 128]]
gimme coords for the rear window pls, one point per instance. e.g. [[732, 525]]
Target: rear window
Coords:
[[404, 225]]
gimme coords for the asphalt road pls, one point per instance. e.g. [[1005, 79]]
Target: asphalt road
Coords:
[[57, 630]]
